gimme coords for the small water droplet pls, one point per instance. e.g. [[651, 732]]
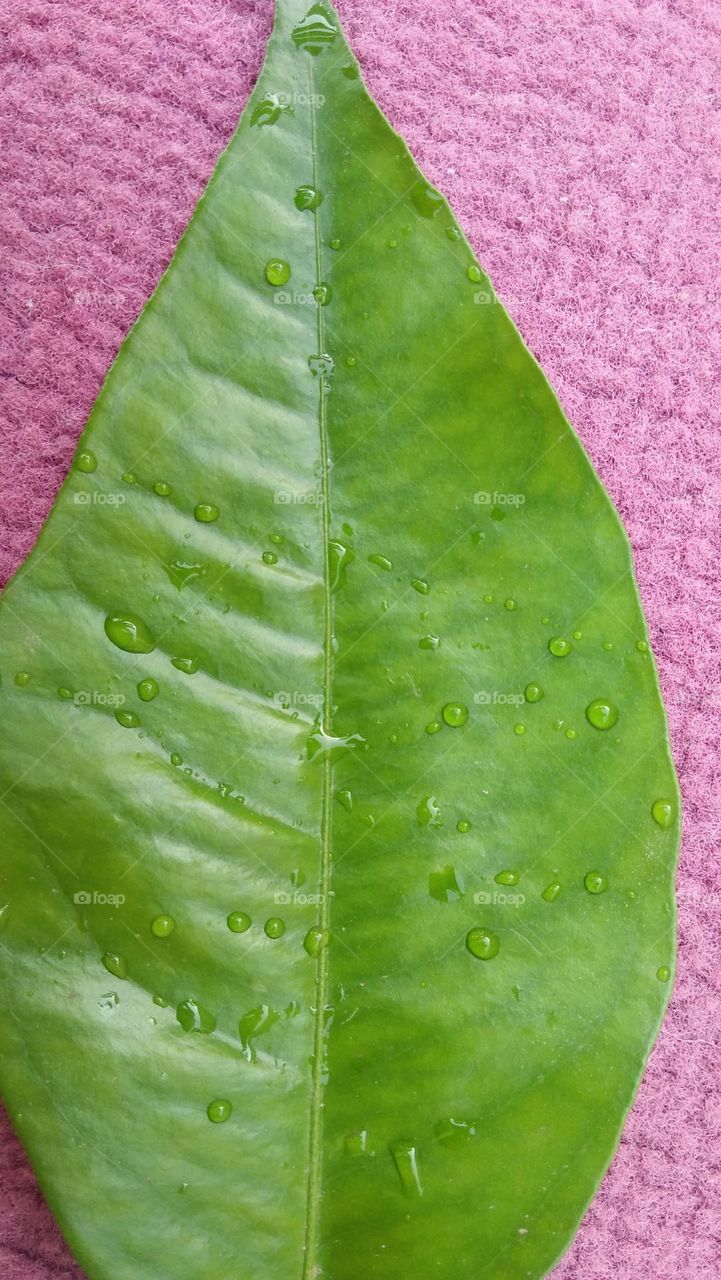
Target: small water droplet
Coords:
[[66, 694], [323, 294], [578, 635], [238, 922], [22, 679], [428, 812], [488, 598], [256, 1022], [336, 244], [445, 885], [219, 1110], [345, 798], [356, 1144], [433, 727], [601, 713], [463, 825], [351, 362], [277, 272], [206, 513], [162, 488], [115, 964], [148, 689], [185, 664], [429, 642], [350, 71], [519, 730], [274, 927], [162, 926], [507, 877], [193, 1017], [559, 647], [607, 645], [175, 759], [427, 200], [308, 197], [596, 882], [474, 273], [483, 944], [642, 646], [86, 461], [323, 368], [455, 714], [129, 477], [663, 812], [269, 557], [551, 892], [405, 1159], [128, 719], [381, 561], [340, 556], [128, 632], [510, 604], [109, 1001], [420, 586], [533, 693], [663, 973], [315, 940]]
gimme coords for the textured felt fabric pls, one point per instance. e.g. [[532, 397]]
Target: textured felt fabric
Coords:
[[579, 145]]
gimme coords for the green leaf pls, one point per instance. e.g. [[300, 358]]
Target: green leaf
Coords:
[[338, 816]]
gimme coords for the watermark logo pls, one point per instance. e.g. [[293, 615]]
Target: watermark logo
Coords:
[[297, 698], [497, 698], [485, 499], [287, 498], [96, 698], [498, 898], [84, 898], [90, 498], [296, 899]]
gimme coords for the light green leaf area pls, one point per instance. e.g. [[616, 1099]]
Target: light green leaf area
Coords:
[[338, 817]]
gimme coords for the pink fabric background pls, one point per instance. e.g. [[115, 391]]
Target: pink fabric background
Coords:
[[579, 144]]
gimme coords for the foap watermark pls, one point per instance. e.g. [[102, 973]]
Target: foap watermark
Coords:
[[287, 498], [96, 698], [297, 698], [286, 298], [286, 100], [486, 499], [98, 297], [497, 698], [90, 498], [297, 899], [498, 898], [86, 898]]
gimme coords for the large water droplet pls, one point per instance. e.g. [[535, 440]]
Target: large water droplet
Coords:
[[405, 1159], [427, 200], [115, 964], [663, 812], [274, 927], [256, 1023], [148, 689], [162, 926], [188, 665], [596, 882], [162, 488], [455, 714], [315, 31], [321, 743], [128, 719], [339, 557], [345, 798], [308, 197], [238, 922], [86, 461], [22, 679], [220, 1110], [428, 812], [315, 940], [663, 973], [323, 294], [533, 693], [193, 1017], [129, 632], [559, 647], [446, 885], [269, 110], [601, 713], [277, 272], [551, 892], [381, 561], [507, 877], [483, 944], [429, 642], [206, 513]]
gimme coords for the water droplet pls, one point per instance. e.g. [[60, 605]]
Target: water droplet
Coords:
[[445, 885], [474, 273], [381, 561], [175, 759], [269, 557], [115, 964], [463, 825], [453, 233], [128, 719], [323, 294], [308, 197], [239, 922], [642, 646], [571, 733], [607, 645], [455, 714], [336, 244], [256, 1022], [220, 1110], [596, 882], [322, 367], [601, 713], [428, 812], [22, 679], [427, 200], [663, 812], [206, 513], [188, 665], [321, 743], [356, 1144], [559, 647], [129, 477], [162, 926], [551, 892], [277, 272], [663, 973], [406, 1161], [454, 1132], [533, 693], [274, 927], [269, 110], [420, 586], [86, 461], [429, 642], [488, 599], [350, 71], [578, 635], [345, 798], [510, 604], [148, 689], [315, 31], [193, 1017], [339, 558], [109, 1001], [66, 694], [315, 940], [508, 877], [483, 944], [128, 632], [162, 488], [519, 730], [351, 362]]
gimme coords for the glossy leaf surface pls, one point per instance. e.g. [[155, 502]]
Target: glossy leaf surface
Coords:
[[338, 818]]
